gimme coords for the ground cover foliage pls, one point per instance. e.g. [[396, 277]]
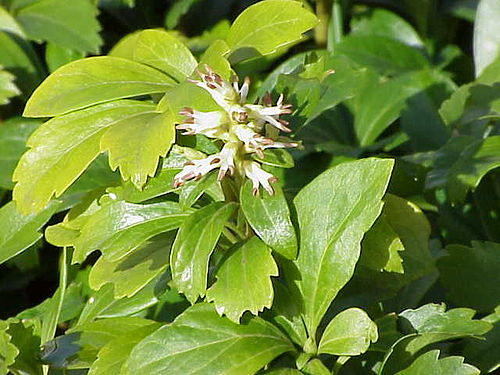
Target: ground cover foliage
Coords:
[[367, 241]]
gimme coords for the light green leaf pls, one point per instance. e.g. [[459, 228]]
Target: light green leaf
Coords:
[[9, 24], [131, 273], [69, 24], [7, 87], [125, 47], [470, 275], [193, 246], [119, 227], [18, 232], [315, 367], [62, 148], [486, 34], [269, 217], [112, 356], [201, 342], [93, 80], [349, 333], [193, 190], [164, 52], [334, 212], [136, 144], [214, 57], [13, 135], [429, 364], [270, 25], [244, 281], [8, 351]]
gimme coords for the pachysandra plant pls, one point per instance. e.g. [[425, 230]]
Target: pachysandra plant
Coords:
[[197, 257]]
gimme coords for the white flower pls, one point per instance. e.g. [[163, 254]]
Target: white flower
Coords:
[[240, 126], [258, 176]]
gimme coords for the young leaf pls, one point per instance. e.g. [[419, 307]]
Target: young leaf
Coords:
[[18, 232], [349, 333], [136, 144], [429, 364], [200, 341], [244, 281], [477, 284], [112, 356], [164, 52], [269, 217], [93, 80], [270, 25], [193, 246], [334, 212], [131, 273], [62, 148], [7, 87], [486, 34], [69, 24], [120, 227]]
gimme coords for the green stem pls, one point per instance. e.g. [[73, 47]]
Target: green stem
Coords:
[[321, 30], [336, 26]]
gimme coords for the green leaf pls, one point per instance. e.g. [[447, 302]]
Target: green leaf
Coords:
[[461, 164], [164, 52], [349, 333], [112, 356], [125, 47], [244, 281], [483, 353], [276, 157], [68, 24], [381, 246], [57, 56], [214, 57], [78, 348], [193, 246], [9, 24], [200, 341], [176, 11], [62, 148], [193, 190], [8, 351], [426, 325], [25, 336], [382, 54], [429, 363], [118, 228], [18, 232], [486, 34], [334, 212], [270, 25], [470, 275], [380, 104], [19, 58], [13, 135], [382, 22], [93, 80], [136, 144], [269, 217], [53, 312], [103, 304], [7, 87], [133, 272]]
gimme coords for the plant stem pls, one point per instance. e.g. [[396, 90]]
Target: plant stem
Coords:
[[321, 30], [336, 26]]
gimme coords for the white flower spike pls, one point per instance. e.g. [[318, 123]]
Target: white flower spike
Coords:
[[244, 128]]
